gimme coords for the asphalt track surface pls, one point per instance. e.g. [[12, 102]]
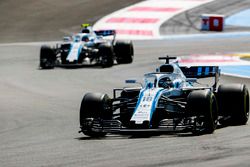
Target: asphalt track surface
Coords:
[[39, 112], [45, 20]]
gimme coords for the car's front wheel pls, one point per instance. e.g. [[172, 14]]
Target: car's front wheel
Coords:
[[94, 107], [203, 105], [47, 57]]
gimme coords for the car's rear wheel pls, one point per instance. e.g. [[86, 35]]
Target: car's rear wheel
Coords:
[[106, 54], [203, 105], [94, 107], [233, 102], [47, 57], [124, 51]]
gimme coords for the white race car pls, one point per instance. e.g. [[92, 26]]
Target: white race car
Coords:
[[170, 100], [87, 47]]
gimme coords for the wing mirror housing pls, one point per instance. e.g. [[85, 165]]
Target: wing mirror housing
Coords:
[[132, 81], [66, 39]]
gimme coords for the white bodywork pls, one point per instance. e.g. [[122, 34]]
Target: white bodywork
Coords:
[[156, 85], [145, 105], [74, 52]]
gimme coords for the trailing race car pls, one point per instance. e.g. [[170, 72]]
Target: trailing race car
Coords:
[[87, 48], [170, 100]]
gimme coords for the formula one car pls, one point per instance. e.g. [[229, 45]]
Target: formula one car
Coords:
[[88, 47], [170, 100]]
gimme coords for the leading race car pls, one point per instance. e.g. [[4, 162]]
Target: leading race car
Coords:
[[88, 47], [170, 100]]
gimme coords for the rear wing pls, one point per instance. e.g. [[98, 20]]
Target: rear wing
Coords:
[[202, 72], [105, 33]]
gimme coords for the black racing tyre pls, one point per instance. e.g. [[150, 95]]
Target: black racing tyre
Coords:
[[233, 100], [94, 106], [127, 110], [106, 54], [47, 57], [203, 104], [124, 51]]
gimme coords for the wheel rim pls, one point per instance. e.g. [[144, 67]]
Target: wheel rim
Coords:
[[202, 125]]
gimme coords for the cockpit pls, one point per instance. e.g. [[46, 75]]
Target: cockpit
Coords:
[[156, 80], [167, 76], [165, 82], [83, 38]]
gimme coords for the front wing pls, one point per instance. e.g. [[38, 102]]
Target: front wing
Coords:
[[115, 126]]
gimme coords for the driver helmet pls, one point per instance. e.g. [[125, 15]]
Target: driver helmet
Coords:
[[85, 38], [165, 82]]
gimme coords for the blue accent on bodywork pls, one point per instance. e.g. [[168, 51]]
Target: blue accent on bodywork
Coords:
[[176, 84], [156, 98], [138, 102], [105, 32], [207, 71], [71, 46], [199, 71], [78, 53], [214, 70]]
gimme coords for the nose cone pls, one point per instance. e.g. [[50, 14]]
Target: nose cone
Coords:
[[143, 125]]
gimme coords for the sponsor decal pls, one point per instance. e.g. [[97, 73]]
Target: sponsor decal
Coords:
[[146, 105]]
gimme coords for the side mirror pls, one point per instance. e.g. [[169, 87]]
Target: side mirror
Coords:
[[133, 81], [130, 81], [66, 39]]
